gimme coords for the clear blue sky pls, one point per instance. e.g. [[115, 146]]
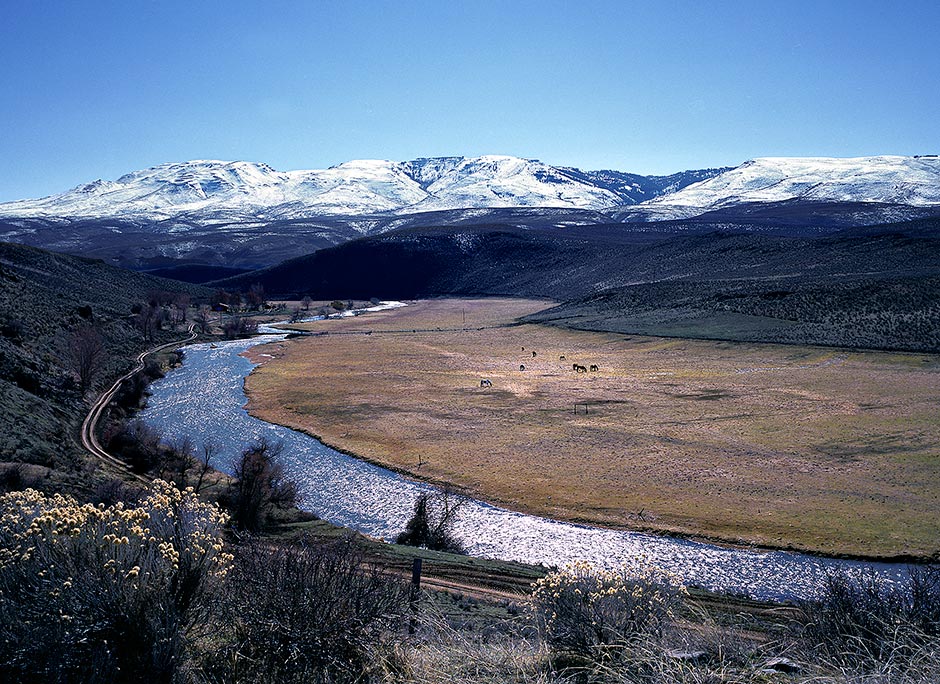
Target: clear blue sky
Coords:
[[96, 89]]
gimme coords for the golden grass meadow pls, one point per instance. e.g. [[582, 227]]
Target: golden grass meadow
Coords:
[[817, 449]]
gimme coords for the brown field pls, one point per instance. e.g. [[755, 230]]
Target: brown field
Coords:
[[817, 449]]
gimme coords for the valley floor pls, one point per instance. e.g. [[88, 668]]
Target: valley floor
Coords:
[[817, 449]]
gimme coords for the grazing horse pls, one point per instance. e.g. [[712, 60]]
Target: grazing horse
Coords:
[[533, 355], [521, 366], [594, 367], [574, 366], [485, 383], [561, 358], [580, 369]]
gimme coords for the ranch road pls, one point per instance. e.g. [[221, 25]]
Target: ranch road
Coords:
[[89, 430]]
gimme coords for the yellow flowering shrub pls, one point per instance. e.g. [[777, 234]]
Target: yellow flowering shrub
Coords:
[[105, 587], [579, 609]]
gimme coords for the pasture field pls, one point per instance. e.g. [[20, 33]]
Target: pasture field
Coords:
[[811, 448]]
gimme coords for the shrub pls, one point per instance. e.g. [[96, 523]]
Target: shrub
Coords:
[[303, 614], [431, 525], [18, 476], [239, 326], [138, 445], [861, 618], [259, 486], [580, 610], [113, 491], [96, 593]]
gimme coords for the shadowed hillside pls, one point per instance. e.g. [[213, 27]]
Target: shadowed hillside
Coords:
[[44, 299], [860, 287]]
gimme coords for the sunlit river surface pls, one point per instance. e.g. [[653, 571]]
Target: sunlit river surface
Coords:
[[204, 399]]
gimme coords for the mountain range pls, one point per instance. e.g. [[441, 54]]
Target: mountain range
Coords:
[[218, 191], [248, 215]]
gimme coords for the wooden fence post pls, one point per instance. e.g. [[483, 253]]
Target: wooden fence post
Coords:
[[414, 594]]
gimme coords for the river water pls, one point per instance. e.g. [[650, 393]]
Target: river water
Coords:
[[205, 399]]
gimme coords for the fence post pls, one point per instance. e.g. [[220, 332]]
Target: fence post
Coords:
[[414, 594]]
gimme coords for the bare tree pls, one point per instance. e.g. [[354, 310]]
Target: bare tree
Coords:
[[432, 524], [209, 451], [203, 319], [85, 354], [180, 459], [255, 296], [307, 301], [260, 485], [149, 318], [180, 309]]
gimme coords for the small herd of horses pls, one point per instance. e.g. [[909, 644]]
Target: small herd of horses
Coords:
[[578, 368]]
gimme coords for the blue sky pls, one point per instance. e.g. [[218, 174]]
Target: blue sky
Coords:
[[96, 89]]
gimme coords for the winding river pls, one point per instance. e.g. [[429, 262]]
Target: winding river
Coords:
[[205, 399]]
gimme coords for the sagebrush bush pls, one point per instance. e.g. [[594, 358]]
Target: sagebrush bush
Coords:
[[302, 613], [580, 609], [104, 593], [862, 619]]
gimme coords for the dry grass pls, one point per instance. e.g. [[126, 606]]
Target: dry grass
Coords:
[[812, 448]]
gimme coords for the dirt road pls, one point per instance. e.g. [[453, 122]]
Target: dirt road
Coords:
[[89, 431]]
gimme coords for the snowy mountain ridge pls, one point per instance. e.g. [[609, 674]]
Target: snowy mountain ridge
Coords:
[[212, 192], [894, 180], [255, 191]]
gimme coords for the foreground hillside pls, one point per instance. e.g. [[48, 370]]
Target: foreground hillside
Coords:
[[46, 299]]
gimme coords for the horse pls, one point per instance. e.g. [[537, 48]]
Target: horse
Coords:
[[521, 366], [485, 383], [594, 367], [580, 369]]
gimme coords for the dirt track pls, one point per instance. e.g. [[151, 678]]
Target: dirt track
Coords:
[[89, 431]]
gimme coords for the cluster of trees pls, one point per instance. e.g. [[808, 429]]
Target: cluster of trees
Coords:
[[252, 300], [258, 488], [160, 310]]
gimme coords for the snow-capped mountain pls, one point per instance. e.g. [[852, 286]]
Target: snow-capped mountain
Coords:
[[217, 191], [888, 180], [209, 192], [248, 214]]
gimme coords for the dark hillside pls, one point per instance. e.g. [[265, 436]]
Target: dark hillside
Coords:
[[570, 263], [44, 297], [900, 313], [862, 287], [426, 262]]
